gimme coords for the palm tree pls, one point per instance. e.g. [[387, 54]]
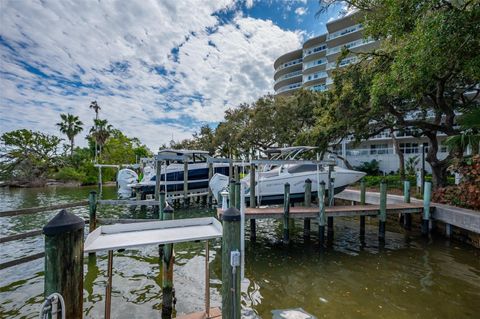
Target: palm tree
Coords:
[[469, 123], [70, 126], [94, 105], [101, 131]]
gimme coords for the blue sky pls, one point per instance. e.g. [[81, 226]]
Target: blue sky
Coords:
[[157, 68]]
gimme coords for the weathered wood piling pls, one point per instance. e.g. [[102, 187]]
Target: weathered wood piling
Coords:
[[321, 214], [427, 193], [167, 272], [362, 202], [286, 213], [64, 261], [231, 288], [307, 203], [382, 217], [407, 218], [92, 211]]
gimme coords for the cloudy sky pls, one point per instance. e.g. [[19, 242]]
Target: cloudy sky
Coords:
[[158, 68]]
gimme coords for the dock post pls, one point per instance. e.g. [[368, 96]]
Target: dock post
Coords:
[[286, 213], [231, 288], [238, 198], [308, 203], [331, 200], [143, 208], [210, 175], [253, 203], [383, 211], [185, 182], [167, 272], [161, 205], [64, 261], [92, 211], [231, 194], [321, 213], [407, 218], [427, 192], [158, 178], [236, 173], [230, 169], [362, 202]]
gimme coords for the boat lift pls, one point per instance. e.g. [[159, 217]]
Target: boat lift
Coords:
[[126, 236]]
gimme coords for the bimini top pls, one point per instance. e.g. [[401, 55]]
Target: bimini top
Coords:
[[290, 149], [182, 152]]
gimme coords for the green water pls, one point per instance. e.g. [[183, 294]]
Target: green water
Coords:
[[408, 278]]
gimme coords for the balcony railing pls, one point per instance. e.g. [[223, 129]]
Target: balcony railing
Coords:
[[314, 63], [345, 31], [367, 151], [350, 45], [329, 81], [289, 63], [289, 87], [318, 88], [314, 76], [344, 62], [318, 48], [289, 75]]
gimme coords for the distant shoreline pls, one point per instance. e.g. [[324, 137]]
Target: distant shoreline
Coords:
[[49, 183]]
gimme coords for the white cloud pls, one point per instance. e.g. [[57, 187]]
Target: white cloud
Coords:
[[301, 11], [120, 53]]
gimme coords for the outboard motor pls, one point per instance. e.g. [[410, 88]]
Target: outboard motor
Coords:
[[125, 177]]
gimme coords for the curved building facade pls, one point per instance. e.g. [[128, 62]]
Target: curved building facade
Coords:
[[311, 66]]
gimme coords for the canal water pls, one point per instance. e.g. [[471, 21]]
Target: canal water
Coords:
[[408, 278]]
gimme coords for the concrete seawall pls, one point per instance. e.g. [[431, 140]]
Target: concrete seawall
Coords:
[[464, 219]]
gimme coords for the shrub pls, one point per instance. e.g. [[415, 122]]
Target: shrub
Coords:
[[69, 174], [467, 193]]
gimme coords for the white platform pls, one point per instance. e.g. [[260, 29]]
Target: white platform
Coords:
[[124, 236]]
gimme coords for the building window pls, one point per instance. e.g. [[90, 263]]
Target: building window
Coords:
[[378, 149], [409, 148]]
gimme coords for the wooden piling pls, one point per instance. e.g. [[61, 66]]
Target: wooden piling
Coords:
[[383, 211], [286, 213], [167, 271], [427, 193], [231, 289], [231, 194], [92, 211], [185, 182], [331, 200], [64, 261], [238, 201], [210, 175], [362, 202], [321, 213], [230, 169], [161, 206], [253, 203], [407, 218], [307, 203], [158, 178]]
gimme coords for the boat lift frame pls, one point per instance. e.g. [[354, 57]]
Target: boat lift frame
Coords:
[[134, 235]]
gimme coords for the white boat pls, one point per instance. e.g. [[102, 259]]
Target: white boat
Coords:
[[271, 179]]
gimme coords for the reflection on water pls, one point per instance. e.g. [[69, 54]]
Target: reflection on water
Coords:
[[408, 277]]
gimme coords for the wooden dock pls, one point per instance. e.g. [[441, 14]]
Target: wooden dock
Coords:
[[300, 212]]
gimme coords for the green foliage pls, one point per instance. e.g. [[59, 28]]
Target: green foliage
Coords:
[[411, 165], [71, 126], [28, 155], [69, 174], [371, 168]]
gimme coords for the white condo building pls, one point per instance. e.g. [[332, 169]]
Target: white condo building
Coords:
[[311, 66]]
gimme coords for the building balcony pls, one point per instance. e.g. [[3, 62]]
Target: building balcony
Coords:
[[318, 88], [288, 88], [314, 63], [343, 63], [350, 45], [345, 31], [314, 76], [287, 79], [316, 49], [289, 75]]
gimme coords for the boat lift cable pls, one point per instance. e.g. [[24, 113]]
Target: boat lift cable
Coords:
[[50, 306]]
